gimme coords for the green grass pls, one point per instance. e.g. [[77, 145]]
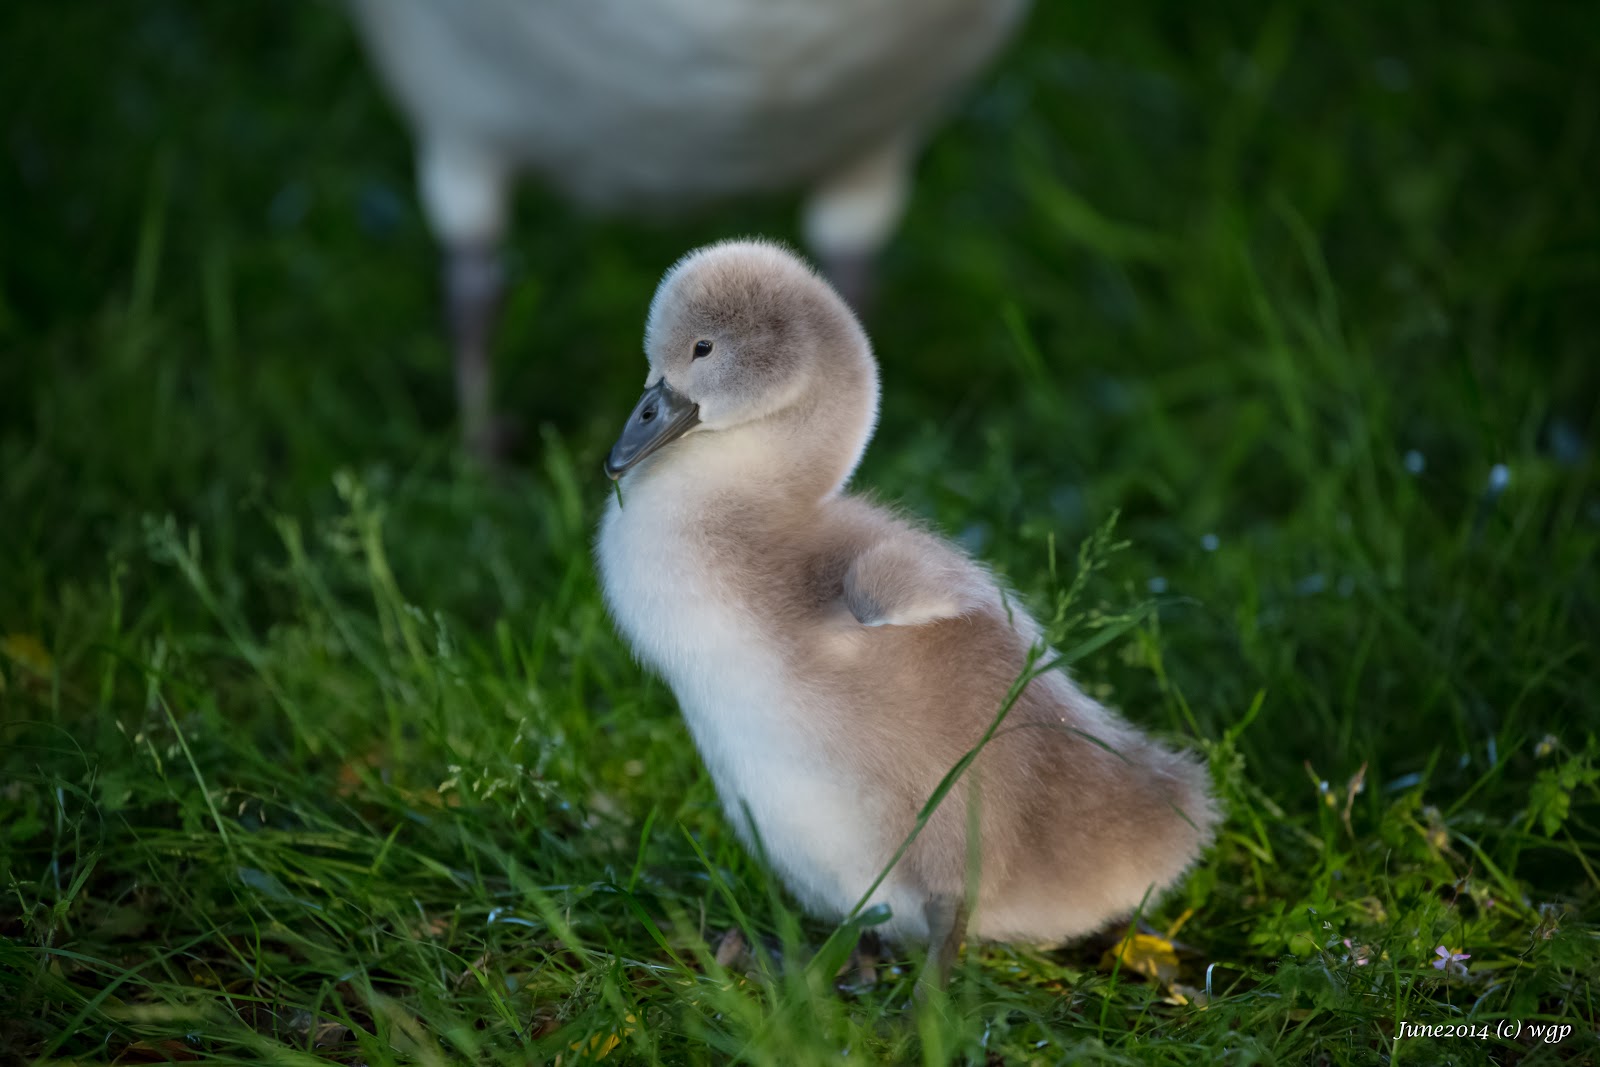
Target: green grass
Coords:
[[317, 747]]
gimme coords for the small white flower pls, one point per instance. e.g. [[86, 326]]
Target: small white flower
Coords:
[[1451, 962]]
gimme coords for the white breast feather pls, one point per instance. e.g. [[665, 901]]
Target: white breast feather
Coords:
[[746, 714]]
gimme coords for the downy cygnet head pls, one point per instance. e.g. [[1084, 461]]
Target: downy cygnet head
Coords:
[[743, 333]]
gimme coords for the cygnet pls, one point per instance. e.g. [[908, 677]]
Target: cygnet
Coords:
[[834, 659], [662, 105]]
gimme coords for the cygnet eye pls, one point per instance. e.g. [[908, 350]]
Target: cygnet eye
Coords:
[[702, 349]]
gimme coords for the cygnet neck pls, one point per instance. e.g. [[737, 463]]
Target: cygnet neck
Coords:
[[796, 457]]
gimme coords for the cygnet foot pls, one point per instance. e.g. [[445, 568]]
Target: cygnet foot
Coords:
[[860, 971]]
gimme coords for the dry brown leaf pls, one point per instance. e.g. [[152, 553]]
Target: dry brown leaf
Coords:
[[329, 1033], [168, 1051], [730, 948]]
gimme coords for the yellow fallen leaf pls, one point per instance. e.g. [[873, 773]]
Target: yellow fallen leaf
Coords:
[[26, 651], [1148, 954], [1182, 995], [599, 1046]]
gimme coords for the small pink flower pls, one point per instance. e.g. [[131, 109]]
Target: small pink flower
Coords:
[[1360, 955], [1450, 962]]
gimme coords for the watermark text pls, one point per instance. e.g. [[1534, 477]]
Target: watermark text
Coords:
[[1505, 1030]]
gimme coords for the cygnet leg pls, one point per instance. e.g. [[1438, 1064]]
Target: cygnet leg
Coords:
[[947, 927], [851, 214], [465, 190]]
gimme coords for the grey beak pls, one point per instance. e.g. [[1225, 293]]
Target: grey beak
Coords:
[[662, 415]]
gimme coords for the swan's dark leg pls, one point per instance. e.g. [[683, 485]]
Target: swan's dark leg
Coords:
[[855, 276], [473, 286], [852, 213]]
